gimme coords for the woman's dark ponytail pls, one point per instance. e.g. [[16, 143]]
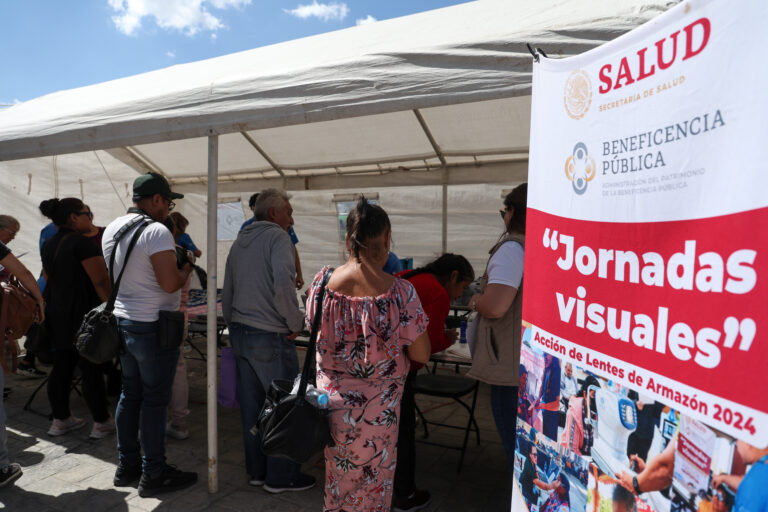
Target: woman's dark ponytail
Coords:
[[365, 222], [59, 210]]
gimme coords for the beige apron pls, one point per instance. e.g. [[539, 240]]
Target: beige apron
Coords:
[[496, 356]]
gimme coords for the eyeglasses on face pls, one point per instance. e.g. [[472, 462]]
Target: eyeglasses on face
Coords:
[[171, 204], [86, 213], [12, 232]]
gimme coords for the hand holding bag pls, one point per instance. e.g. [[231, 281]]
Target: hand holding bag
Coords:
[[98, 339], [18, 310], [289, 425]]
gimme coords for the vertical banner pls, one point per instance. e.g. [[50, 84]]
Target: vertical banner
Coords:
[[644, 353]]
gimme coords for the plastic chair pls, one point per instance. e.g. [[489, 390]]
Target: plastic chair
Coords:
[[454, 387]]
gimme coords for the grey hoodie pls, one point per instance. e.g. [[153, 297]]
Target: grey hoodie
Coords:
[[260, 280]]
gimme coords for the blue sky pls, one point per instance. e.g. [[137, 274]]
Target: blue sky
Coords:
[[52, 45]]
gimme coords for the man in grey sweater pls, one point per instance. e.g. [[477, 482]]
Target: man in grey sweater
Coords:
[[261, 309]]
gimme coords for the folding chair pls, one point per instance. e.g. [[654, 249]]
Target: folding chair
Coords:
[[28, 404], [454, 387]]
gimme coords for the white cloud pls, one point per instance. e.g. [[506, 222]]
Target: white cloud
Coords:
[[170, 53], [365, 21], [325, 12], [15, 101], [188, 16], [214, 36]]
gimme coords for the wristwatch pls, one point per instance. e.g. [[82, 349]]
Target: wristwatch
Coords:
[[635, 486]]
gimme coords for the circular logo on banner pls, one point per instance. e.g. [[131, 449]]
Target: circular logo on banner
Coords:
[[580, 168], [578, 94]]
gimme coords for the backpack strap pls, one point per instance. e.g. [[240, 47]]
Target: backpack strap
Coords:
[[110, 306]]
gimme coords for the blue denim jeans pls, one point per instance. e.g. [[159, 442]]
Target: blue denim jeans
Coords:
[[261, 357], [148, 372], [504, 408]]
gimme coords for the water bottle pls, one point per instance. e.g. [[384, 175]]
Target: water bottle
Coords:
[[463, 332], [317, 398]]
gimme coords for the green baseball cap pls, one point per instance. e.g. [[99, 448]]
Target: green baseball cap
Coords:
[[153, 183]]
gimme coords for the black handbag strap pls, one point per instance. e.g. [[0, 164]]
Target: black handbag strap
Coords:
[[110, 306], [313, 335]]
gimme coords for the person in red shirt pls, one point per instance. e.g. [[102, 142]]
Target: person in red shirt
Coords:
[[437, 284]]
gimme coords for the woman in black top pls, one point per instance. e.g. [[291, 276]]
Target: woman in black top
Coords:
[[77, 281]]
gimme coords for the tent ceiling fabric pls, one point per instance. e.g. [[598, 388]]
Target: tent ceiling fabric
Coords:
[[332, 103]]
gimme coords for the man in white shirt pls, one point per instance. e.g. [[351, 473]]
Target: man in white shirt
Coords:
[[150, 284]]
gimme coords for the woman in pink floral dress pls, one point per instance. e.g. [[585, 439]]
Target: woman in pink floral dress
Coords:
[[372, 326]]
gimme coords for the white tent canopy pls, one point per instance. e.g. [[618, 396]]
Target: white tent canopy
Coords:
[[445, 88], [437, 98]]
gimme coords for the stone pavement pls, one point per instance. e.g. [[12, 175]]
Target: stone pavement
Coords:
[[73, 473]]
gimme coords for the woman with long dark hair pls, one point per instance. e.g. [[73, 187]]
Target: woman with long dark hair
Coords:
[[437, 283], [77, 281], [499, 307], [372, 325]]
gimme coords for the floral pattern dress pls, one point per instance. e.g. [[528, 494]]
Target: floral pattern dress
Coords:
[[362, 365]]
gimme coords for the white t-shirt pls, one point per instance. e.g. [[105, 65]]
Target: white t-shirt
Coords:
[[506, 265], [140, 296]]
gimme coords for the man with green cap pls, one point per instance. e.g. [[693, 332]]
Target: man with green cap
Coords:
[[151, 283]]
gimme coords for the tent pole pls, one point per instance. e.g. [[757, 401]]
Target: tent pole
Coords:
[[445, 210], [211, 331]]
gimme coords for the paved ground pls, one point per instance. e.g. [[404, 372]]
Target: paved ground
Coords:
[[73, 473]]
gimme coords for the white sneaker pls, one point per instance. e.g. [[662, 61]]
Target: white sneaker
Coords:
[[176, 433], [102, 430], [61, 427]]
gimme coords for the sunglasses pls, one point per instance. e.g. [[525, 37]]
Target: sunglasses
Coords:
[[87, 214], [503, 212]]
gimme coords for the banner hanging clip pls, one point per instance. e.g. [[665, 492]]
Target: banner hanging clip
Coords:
[[536, 52]]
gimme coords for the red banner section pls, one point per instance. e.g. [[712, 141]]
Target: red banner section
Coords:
[[683, 299]]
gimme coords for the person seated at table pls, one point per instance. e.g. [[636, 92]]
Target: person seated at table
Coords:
[[437, 284], [393, 266]]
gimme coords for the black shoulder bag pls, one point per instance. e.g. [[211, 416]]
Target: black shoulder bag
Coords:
[[290, 426], [98, 339]]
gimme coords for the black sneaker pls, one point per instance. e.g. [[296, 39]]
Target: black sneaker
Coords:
[[416, 501], [171, 479], [10, 474], [302, 483], [126, 475]]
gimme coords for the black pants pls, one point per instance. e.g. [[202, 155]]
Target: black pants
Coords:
[[60, 385], [405, 472]]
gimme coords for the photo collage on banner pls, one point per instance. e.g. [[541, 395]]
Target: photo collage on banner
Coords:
[[642, 368]]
